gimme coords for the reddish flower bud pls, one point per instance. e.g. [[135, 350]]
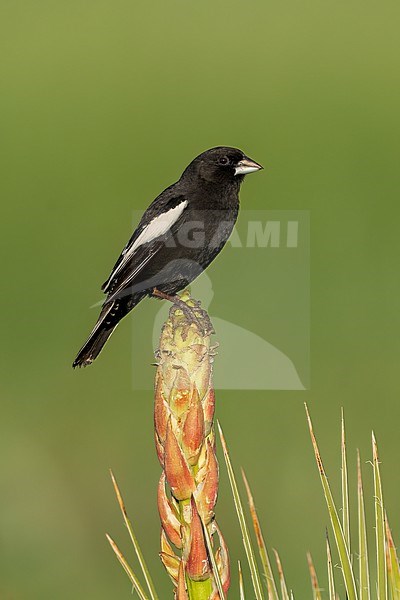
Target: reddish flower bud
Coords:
[[197, 566], [169, 518], [222, 560], [166, 547], [208, 408], [177, 471], [170, 561], [171, 564], [207, 490], [181, 592], [193, 429], [159, 449]]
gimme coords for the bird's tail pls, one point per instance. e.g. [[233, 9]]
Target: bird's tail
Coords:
[[111, 314], [104, 327]]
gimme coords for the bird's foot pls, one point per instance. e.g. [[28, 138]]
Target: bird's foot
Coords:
[[194, 314], [205, 321]]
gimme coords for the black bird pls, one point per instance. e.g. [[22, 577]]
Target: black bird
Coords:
[[179, 235]]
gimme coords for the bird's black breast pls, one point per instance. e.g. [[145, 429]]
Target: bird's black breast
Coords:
[[175, 259], [194, 241]]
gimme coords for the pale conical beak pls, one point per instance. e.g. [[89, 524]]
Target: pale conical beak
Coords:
[[247, 165]]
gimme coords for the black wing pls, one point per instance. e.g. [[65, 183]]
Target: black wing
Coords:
[[151, 234]]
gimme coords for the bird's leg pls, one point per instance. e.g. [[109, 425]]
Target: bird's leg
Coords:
[[205, 327]]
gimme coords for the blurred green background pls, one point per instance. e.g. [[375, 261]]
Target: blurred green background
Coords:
[[102, 105]]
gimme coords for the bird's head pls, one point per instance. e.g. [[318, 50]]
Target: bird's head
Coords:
[[221, 165]]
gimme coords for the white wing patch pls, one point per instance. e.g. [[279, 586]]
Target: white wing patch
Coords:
[[156, 228]]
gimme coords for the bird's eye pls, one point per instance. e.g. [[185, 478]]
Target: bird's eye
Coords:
[[224, 160]]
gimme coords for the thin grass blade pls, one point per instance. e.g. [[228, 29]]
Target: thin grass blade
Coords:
[[314, 580], [214, 567], [284, 591], [269, 576], [393, 564], [345, 489], [241, 584], [347, 570], [331, 578], [255, 576], [365, 593], [139, 554], [379, 525], [135, 582], [391, 591]]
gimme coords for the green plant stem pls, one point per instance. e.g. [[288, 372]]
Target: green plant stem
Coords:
[[199, 590]]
